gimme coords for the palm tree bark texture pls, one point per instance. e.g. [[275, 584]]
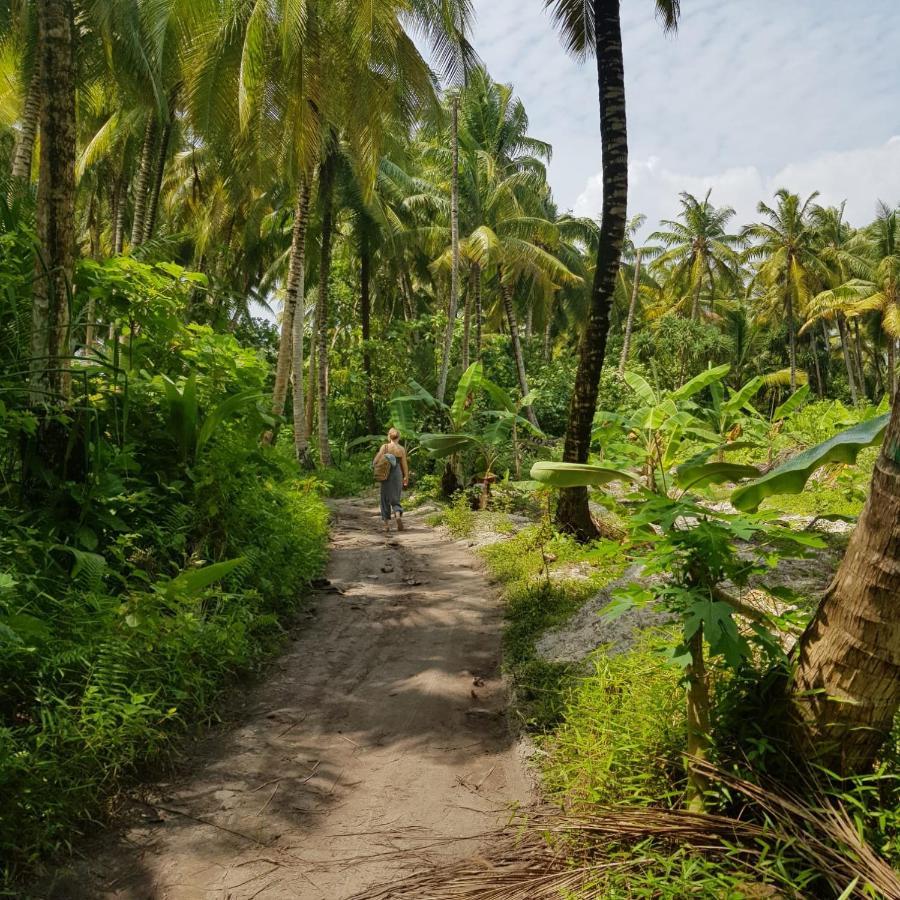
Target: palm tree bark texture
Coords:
[[55, 259], [326, 198], [846, 689], [573, 513], [297, 287], [24, 149]]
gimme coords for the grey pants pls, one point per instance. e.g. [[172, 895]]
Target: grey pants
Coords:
[[391, 491]]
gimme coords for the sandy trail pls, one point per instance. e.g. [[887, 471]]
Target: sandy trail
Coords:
[[381, 728]]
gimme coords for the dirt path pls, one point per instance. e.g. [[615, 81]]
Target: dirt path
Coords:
[[381, 728]]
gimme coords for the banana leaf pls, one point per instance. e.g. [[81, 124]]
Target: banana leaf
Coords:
[[792, 404], [565, 475], [441, 445], [713, 473], [469, 383], [701, 381], [791, 477]]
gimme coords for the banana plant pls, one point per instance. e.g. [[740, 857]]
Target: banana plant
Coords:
[[465, 434], [665, 421], [791, 477]]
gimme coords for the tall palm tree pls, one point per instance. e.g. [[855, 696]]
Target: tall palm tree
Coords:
[[594, 28], [454, 244], [835, 239], [846, 690], [54, 267], [874, 257], [699, 251], [19, 29], [632, 258], [789, 264]]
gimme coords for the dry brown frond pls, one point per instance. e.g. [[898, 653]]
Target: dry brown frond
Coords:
[[549, 853]]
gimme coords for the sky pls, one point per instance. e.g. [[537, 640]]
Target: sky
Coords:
[[747, 97]]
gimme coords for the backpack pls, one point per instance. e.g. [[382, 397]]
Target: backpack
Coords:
[[382, 468]]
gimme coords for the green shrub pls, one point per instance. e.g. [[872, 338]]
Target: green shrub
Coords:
[[103, 663]]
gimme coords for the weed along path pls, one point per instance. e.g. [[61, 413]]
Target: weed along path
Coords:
[[380, 734]]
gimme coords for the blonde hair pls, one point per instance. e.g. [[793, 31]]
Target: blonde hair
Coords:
[[393, 435]]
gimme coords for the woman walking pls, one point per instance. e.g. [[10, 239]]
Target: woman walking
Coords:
[[396, 478]]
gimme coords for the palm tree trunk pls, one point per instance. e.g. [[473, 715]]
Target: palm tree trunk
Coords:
[[548, 330], [695, 303], [142, 183], [860, 367], [55, 261], [573, 513], [365, 264], [792, 337], [506, 291], [313, 368], [876, 366], [529, 322], [292, 290], [326, 197], [159, 170], [476, 275], [846, 690], [24, 149], [454, 243], [467, 321], [851, 379], [892, 368], [119, 218], [629, 322], [297, 286], [814, 349]]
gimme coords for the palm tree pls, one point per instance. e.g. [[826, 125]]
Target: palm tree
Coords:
[[789, 263], [54, 267], [846, 691], [876, 262], [19, 27], [835, 239], [699, 251], [632, 257], [454, 242], [593, 27]]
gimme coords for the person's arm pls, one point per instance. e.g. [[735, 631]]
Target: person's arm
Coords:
[[404, 465]]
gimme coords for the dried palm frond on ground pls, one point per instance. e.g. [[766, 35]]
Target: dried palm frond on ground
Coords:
[[550, 855]]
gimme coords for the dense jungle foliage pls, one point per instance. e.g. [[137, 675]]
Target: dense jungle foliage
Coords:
[[239, 240]]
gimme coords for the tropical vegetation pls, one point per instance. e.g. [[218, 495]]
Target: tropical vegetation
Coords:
[[239, 240]]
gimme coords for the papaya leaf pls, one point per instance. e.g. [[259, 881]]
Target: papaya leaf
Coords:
[[791, 477], [565, 475]]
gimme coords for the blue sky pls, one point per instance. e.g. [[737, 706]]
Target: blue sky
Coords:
[[746, 98]]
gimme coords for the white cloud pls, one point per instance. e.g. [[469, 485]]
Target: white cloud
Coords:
[[742, 87], [861, 177]]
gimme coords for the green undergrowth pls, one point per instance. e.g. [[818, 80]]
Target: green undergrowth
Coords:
[[546, 578], [109, 656], [611, 731], [350, 477], [622, 732]]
